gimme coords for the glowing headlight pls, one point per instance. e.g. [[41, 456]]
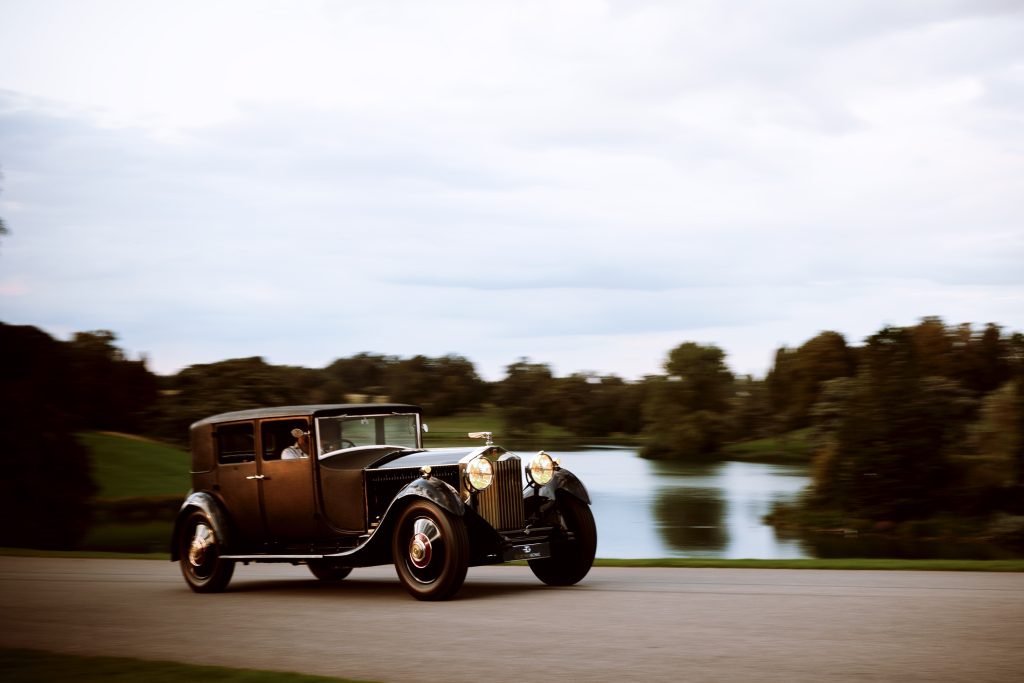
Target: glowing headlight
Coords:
[[541, 469], [480, 473]]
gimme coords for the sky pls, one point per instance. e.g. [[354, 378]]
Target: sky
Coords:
[[584, 184]]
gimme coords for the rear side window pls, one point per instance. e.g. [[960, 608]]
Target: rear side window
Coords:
[[236, 443]]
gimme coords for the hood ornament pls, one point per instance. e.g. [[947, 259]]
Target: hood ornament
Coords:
[[482, 435]]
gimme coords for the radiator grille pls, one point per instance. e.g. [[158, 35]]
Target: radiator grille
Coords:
[[383, 485], [501, 504]]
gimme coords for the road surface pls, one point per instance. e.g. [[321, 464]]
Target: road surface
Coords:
[[619, 624]]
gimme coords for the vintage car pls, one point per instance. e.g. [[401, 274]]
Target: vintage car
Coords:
[[341, 486]]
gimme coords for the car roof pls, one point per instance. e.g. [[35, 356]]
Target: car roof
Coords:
[[316, 410]]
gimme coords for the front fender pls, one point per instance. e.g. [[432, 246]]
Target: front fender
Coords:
[[434, 490], [377, 550], [206, 502], [564, 480]]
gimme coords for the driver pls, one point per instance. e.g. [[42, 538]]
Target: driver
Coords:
[[300, 449]]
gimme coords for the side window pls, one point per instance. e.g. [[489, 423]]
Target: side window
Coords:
[[236, 443], [276, 436]]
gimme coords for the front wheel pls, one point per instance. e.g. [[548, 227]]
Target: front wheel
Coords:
[[431, 551], [199, 556], [571, 557], [328, 570]]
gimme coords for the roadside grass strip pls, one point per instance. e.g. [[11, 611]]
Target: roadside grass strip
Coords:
[[35, 666], [680, 562], [837, 563]]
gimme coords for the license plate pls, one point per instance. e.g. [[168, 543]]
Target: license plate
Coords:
[[529, 551]]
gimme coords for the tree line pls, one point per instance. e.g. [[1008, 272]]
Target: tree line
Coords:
[[913, 421]]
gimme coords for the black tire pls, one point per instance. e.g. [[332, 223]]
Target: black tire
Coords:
[[430, 549], [328, 570], [570, 559], [199, 555]]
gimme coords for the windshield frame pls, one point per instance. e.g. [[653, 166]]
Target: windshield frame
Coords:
[[334, 442]]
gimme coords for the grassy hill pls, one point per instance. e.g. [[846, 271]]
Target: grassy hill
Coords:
[[129, 466], [141, 484]]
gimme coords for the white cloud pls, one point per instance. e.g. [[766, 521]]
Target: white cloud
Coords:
[[585, 184]]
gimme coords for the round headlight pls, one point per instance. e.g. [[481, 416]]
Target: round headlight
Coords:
[[480, 473], [541, 469]]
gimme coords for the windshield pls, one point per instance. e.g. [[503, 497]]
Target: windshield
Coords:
[[335, 433]]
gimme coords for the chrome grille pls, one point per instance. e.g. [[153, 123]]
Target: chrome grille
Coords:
[[501, 504]]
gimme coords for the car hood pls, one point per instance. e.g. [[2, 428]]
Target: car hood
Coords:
[[432, 457]]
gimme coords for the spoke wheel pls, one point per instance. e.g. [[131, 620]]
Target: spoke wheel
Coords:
[[431, 551], [570, 559], [199, 556], [328, 570]]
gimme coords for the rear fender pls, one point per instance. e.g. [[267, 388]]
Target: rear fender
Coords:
[[209, 505]]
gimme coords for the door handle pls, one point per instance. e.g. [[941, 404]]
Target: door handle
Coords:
[[256, 476]]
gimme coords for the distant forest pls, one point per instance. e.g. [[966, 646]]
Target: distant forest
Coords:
[[911, 422]]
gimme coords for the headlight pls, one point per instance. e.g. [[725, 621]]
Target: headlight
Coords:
[[541, 469], [480, 473]]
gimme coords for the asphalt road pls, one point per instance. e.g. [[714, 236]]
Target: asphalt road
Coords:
[[617, 625]]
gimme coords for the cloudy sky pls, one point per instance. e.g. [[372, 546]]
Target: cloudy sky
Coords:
[[587, 184]]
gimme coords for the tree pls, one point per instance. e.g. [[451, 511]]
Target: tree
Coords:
[[199, 391], [526, 396], [443, 386], [364, 373], [889, 458], [110, 391], [794, 383], [47, 482], [751, 416], [686, 412]]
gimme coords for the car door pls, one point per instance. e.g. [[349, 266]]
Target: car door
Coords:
[[238, 480], [289, 500]]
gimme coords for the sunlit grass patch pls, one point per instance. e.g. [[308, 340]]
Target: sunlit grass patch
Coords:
[[126, 466]]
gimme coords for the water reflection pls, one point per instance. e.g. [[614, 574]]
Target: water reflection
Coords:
[[690, 519], [669, 509], [665, 509]]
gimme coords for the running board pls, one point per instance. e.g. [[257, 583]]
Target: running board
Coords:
[[257, 558]]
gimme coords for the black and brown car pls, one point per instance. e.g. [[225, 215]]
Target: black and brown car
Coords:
[[341, 486]]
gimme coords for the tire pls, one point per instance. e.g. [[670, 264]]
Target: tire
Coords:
[[570, 559], [430, 549], [199, 556], [328, 570]]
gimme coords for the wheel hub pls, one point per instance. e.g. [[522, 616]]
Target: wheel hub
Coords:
[[202, 540], [420, 550]]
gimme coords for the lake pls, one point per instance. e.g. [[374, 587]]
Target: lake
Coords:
[[646, 508]]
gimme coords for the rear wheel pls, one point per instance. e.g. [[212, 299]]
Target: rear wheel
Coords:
[[431, 551], [199, 555], [572, 556], [328, 570]]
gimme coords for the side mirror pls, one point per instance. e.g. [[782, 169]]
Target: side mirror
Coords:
[[425, 427]]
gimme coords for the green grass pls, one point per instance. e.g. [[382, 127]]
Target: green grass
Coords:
[[839, 563], [791, 447], [676, 562], [126, 466], [32, 666], [140, 537]]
